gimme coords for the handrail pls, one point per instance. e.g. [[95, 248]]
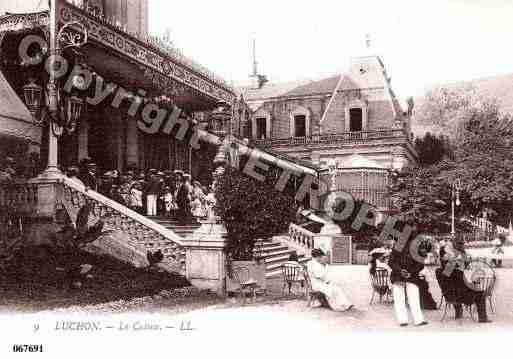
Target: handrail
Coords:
[[301, 237], [163, 231], [333, 138]]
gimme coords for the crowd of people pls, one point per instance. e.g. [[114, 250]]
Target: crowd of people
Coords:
[[149, 192]]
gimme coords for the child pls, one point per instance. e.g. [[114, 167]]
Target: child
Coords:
[[169, 202], [136, 201]]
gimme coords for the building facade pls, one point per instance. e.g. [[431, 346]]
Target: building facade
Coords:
[[352, 125], [118, 51]]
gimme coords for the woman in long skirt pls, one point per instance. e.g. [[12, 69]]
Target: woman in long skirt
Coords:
[[334, 293]]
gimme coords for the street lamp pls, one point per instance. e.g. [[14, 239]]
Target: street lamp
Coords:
[[60, 114], [455, 200], [33, 94]]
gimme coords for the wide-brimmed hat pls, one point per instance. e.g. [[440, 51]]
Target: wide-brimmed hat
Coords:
[[316, 252], [186, 175], [379, 250]]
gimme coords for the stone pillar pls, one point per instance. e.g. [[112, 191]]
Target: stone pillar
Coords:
[[83, 140], [132, 142], [205, 257]]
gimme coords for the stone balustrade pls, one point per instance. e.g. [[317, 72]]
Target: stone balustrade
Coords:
[[18, 197], [142, 233]]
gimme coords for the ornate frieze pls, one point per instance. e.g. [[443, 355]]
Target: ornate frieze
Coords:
[[146, 54], [21, 22]]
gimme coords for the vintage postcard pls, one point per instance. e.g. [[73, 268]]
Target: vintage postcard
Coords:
[[262, 178]]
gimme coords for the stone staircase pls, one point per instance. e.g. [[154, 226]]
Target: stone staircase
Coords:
[[274, 253], [271, 251]]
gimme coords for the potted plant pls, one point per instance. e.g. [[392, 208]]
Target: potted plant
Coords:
[[250, 210]]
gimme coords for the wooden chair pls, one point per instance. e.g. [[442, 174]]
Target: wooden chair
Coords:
[[310, 293], [246, 283], [292, 274], [380, 283]]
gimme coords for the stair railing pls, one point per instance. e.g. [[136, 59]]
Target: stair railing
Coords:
[[142, 232], [301, 238]]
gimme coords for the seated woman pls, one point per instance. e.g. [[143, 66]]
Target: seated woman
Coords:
[[378, 260], [453, 283], [318, 272]]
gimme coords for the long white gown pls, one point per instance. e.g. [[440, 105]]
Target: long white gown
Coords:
[[333, 292]]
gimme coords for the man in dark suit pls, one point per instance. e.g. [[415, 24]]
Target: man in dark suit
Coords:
[[152, 191]]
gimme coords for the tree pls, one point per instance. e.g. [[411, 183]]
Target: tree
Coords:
[[432, 149], [251, 209], [485, 163], [447, 109], [482, 142]]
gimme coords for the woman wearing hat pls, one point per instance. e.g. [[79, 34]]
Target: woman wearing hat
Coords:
[[333, 292]]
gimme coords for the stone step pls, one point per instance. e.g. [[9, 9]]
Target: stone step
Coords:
[[275, 268], [269, 248], [281, 253]]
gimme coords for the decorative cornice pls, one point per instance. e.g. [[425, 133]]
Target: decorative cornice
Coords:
[[150, 53], [23, 22]]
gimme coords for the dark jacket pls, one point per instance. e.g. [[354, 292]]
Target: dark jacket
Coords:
[[403, 260], [153, 186], [89, 180]]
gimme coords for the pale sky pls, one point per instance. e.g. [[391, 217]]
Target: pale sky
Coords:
[[421, 42]]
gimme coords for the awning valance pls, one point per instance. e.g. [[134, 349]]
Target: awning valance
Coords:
[[15, 119]]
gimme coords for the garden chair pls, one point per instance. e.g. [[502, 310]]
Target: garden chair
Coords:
[[380, 283], [246, 283], [292, 274], [310, 293]]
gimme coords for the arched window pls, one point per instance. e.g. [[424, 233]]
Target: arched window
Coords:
[[300, 122]]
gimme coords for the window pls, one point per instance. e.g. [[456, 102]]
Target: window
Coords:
[[261, 128], [355, 120], [300, 126]]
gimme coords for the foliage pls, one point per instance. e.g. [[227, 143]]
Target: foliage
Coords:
[[485, 164], [421, 197], [250, 210], [447, 109], [482, 140], [432, 149]]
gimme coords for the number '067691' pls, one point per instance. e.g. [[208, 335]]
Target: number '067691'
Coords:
[[25, 348]]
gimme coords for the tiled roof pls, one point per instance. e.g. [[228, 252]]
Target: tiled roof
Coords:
[[270, 90]]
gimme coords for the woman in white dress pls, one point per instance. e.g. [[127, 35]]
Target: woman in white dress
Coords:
[[318, 272]]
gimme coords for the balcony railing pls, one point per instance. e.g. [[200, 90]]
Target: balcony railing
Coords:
[[331, 139]]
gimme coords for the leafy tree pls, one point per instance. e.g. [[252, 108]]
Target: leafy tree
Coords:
[[251, 209], [485, 164], [447, 109], [432, 149]]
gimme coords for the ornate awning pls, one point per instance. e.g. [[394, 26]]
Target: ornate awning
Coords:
[[15, 119], [165, 65], [167, 68], [23, 22]]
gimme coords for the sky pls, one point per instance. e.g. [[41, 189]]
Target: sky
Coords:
[[422, 43]]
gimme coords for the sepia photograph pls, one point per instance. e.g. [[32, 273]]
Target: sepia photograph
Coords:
[[256, 178]]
